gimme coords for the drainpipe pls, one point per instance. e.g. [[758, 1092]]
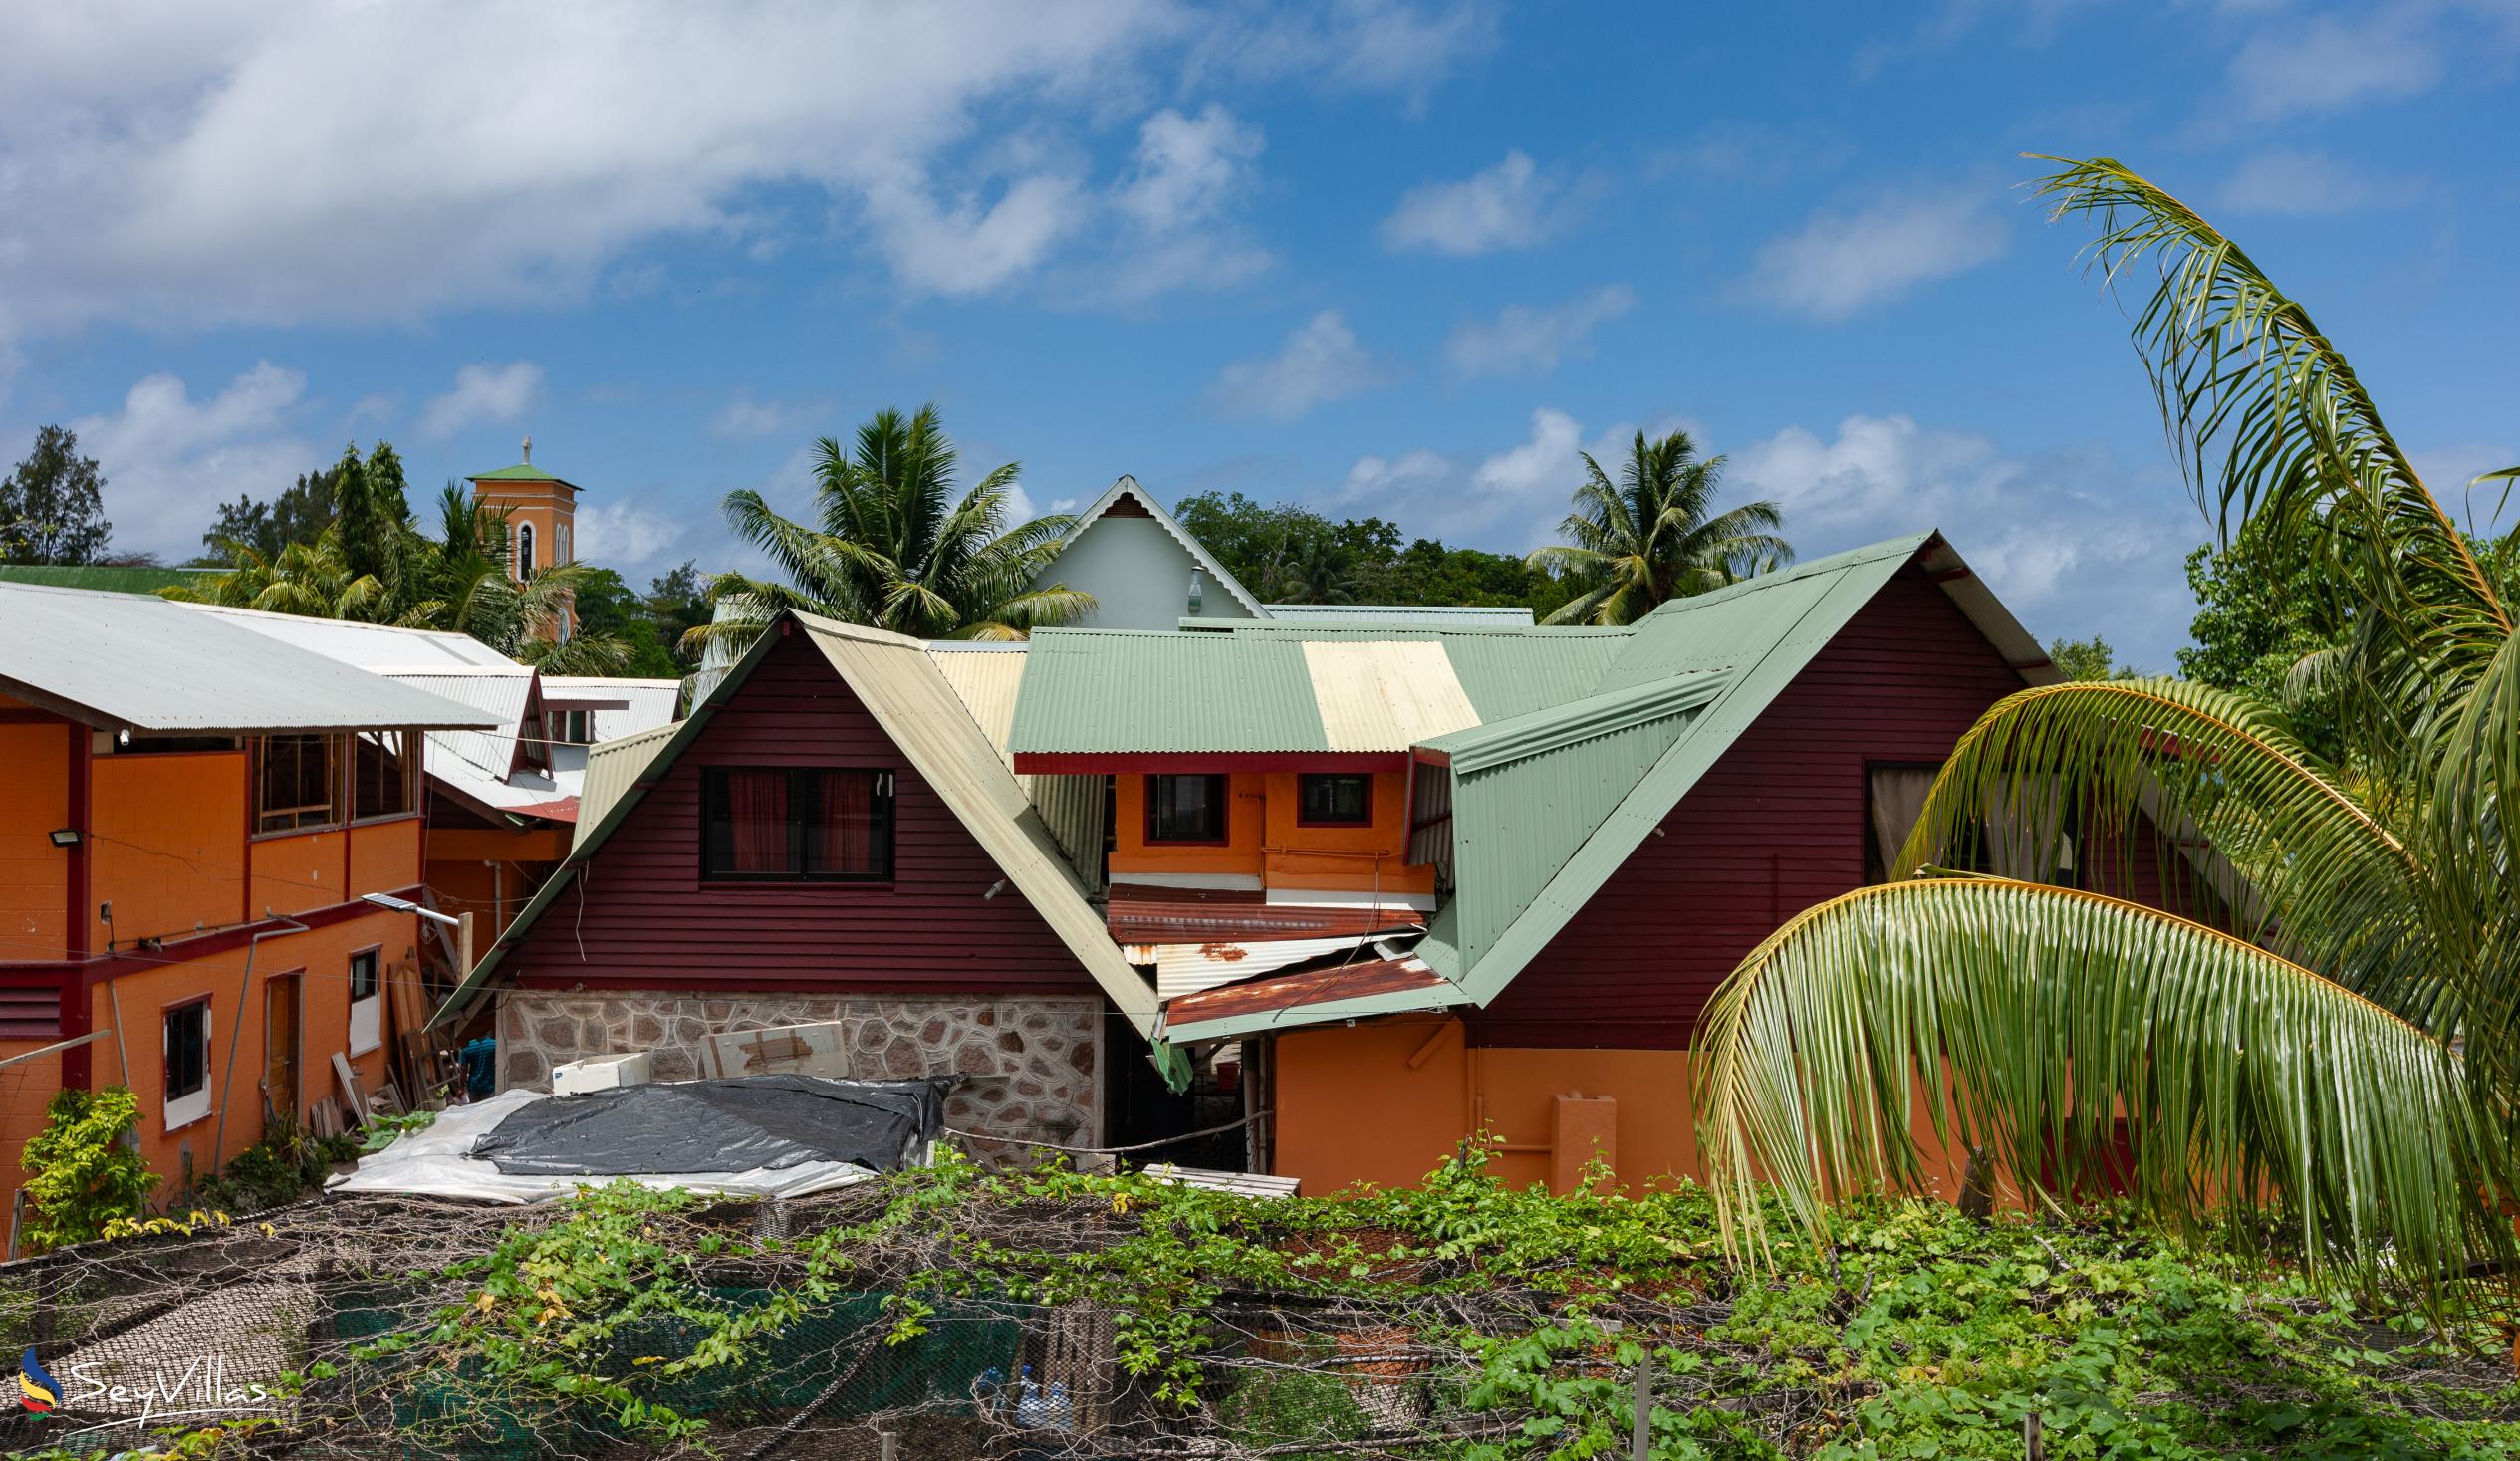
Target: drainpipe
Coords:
[[244, 987]]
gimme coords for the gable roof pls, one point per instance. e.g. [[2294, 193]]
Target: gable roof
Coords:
[[137, 661], [1691, 678], [898, 683], [1127, 488]]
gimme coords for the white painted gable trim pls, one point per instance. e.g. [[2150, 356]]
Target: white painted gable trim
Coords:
[[1198, 551]]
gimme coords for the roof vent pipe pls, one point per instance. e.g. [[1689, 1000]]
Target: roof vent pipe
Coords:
[[1198, 590]]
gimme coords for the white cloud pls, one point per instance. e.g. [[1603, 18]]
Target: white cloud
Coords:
[[1512, 205], [1322, 361], [169, 460], [2299, 182], [1383, 46], [1522, 339], [1839, 263], [484, 395], [2074, 543], [1509, 501], [1190, 176], [626, 535], [2327, 63], [745, 419]]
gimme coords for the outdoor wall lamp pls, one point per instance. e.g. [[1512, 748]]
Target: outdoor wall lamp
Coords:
[[66, 836]]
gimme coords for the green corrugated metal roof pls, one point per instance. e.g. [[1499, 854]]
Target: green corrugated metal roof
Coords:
[[521, 472], [1114, 690], [109, 579]]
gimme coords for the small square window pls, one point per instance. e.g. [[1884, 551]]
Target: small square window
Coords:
[[187, 1053], [1341, 799], [1188, 808]]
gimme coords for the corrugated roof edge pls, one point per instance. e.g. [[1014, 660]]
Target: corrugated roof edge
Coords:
[[1670, 779], [1138, 1003], [1437, 997], [1126, 484], [1521, 736], [1319, 630]]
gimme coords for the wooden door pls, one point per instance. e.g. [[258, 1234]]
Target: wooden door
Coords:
[[281, 1021]]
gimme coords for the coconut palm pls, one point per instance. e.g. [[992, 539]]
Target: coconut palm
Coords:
[[1649, 537], [311, 579], [465, 586], [891, 546], [2324, 1056]]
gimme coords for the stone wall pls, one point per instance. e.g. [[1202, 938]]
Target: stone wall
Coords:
[[1030, 1065]]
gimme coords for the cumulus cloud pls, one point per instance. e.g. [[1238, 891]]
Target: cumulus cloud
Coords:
[[1189, 176], [1522, 339], [627, 535], [1509, 500], [1839, 263], [1322, 361], [2300, 182], [1374, 46], [2074, 543], [1512, 205], [484, 395], [2326, 62], [747, 419], [169, 460]]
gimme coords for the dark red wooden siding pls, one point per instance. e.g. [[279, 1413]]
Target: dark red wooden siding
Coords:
[[1775, 826], [645, 919]]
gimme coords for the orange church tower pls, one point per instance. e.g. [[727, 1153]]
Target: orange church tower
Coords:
[[541, 514]]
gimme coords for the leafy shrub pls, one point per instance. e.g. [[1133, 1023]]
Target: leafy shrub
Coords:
[[81, 1174]]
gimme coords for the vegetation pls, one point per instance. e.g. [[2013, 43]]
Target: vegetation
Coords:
[[297, 513], [284, 1166], [2088, 660], [369, 561], [2334, 1074], [892, 546], [651, 626], [51, 505], [1291, 553], [82, 1173], [1462, 1319], [1654, 535]]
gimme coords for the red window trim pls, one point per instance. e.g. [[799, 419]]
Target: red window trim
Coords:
[[1224, 812]]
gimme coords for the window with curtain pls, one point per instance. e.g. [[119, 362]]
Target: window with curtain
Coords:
[[792, 824], [1187, 809], [383, 775], [294, 783], [1343, 799], [1895, 797]]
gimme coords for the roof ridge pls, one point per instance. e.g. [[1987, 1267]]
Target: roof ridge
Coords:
[[1605, 712], [1902, 547]]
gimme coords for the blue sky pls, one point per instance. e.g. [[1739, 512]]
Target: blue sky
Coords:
[[1391, 256]]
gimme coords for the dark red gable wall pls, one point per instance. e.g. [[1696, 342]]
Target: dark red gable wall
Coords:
[[1775, 826], [646, 921]]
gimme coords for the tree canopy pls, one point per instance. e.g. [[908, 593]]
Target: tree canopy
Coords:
[[1654, 535], [1287, 553], [52, 504]]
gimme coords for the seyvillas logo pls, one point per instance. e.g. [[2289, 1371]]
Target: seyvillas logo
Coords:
[[37, 1389]]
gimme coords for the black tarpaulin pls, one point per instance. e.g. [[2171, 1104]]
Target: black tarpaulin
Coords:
[[744, 1123]]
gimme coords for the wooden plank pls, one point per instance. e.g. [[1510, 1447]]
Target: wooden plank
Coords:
[[354, 1095]]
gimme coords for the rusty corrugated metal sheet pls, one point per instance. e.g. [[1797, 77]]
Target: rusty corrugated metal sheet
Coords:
[[1186, 968]]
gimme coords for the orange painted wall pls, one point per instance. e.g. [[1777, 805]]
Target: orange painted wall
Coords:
[[1238, 856], [27, 1087], [169, 845], [302, 870], [384, 856], [1343, 858], [1265, 840], [1352, 1108], [34, 874]]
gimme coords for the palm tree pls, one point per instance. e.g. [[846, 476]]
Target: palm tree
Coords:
[[891, 546], [311, 579], [2333, 1068], [465, 586], [1647, 539]]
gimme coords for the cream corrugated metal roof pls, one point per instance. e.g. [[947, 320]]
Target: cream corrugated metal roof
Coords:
[[987, 681], [130, 660], [1384, 695], [612, 769], [900, 684]]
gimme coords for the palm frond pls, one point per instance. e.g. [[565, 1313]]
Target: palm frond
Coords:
[[2252, 1088]]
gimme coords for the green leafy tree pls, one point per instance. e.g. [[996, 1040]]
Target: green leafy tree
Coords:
[[51, 505], [677, 603], [894, 545], [297, 513], [2336, 1077], [80, 1176], [607, 605], [311, 579], [373, 508], [1655, 536], [2088, 660], [464, 584]]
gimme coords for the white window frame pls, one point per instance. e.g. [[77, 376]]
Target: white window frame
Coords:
[[367, 1016], [183, 1111]]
